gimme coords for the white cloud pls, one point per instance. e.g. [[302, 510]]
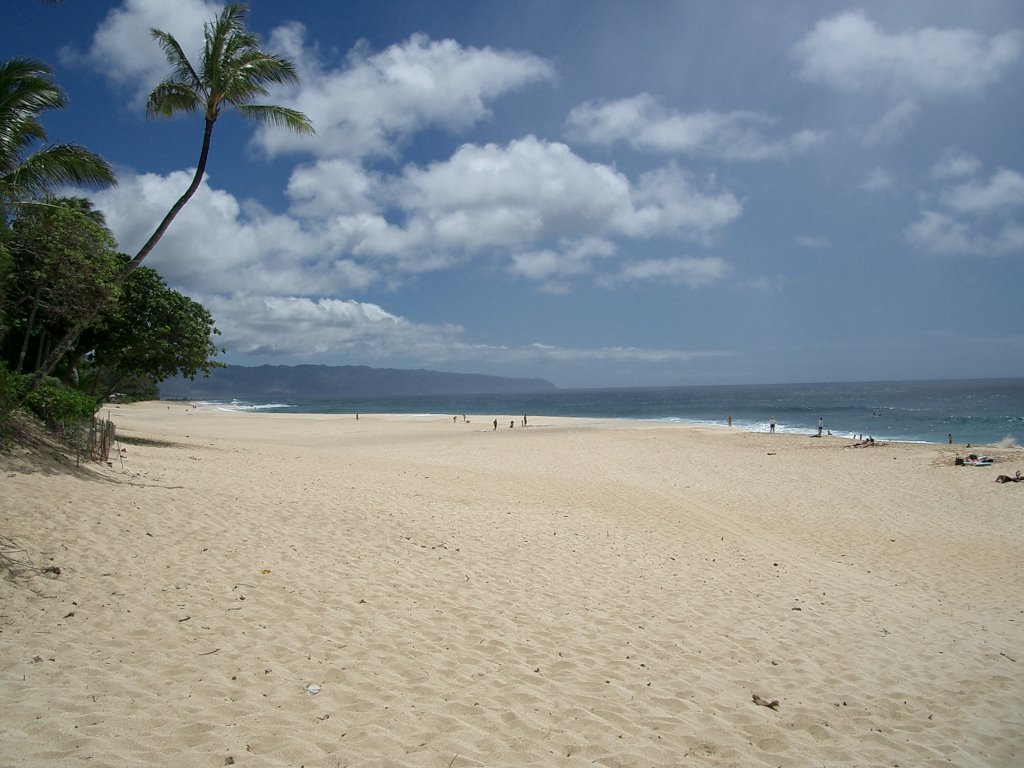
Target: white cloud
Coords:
[[367, 107], [539, 353], [849, 52], [491, 195], [668, 201], [301, 327], [877, 179], [123, 50], [955, 164], [947, 235], [1004, 190], [939, 233], [376, 101], [551, 266], [552, 214], [217, 243], [533, 191], [682, 270], [893, 124], [334, 186], [980, 217], [297, 329], [643, 123]]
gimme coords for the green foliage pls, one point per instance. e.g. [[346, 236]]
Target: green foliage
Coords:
[[232, 71], [150, 333], [10, 388], [56, 404], [63, 266], [26, 91]]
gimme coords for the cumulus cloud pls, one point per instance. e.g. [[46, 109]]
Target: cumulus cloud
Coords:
[[300, 327], [218, 243], [550, 213], [550, 266], [530, 191], [123, 51], [643, 123], [1004, 190], [332, 186], [373, 103], [849, 52], [368, 106], [280, 284], [980, 217], [955, 164], [942, 234]]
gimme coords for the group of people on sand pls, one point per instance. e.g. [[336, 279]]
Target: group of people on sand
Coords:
[[511, 424], [862, 443]]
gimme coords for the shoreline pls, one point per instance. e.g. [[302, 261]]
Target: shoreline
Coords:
[[1005, 443], [561, 594], [976, 412]]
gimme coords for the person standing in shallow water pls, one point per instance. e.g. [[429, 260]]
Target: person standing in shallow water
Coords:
[[771, 425]]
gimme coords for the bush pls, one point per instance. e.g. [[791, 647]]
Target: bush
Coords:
[[10, 386], [57, 404]]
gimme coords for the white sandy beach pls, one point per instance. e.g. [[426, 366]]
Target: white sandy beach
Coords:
[[576, 593]]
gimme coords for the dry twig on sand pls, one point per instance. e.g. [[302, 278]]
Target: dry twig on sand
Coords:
[[763, 702], [16, 561]]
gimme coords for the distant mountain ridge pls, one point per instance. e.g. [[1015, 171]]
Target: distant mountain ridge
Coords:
[[324, 381]]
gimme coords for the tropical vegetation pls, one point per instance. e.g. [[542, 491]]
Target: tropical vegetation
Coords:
[[79, 320]]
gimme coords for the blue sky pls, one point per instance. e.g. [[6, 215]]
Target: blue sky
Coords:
[[597, 193]]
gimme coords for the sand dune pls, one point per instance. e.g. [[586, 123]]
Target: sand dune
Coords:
[[285, 590]]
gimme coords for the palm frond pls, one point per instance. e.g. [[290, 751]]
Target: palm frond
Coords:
[[26, 91], [180, 65], [27, 84], [171, 97], [279, 117], [53, 167]]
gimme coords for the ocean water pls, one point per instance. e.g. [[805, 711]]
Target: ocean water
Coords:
[[979, 411]]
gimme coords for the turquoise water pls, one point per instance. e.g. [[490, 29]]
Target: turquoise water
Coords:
[[980, 412]]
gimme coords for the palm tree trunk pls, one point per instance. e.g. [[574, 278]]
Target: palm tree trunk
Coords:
[[204, 154], [89, 315]]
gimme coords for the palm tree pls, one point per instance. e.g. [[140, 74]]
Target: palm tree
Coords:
[[26, 91], [231, 73], [233, 70]]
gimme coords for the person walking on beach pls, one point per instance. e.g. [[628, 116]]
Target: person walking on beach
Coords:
[[821, 424], [524, 419], [495, 425], [771, 425], [730, 421]]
